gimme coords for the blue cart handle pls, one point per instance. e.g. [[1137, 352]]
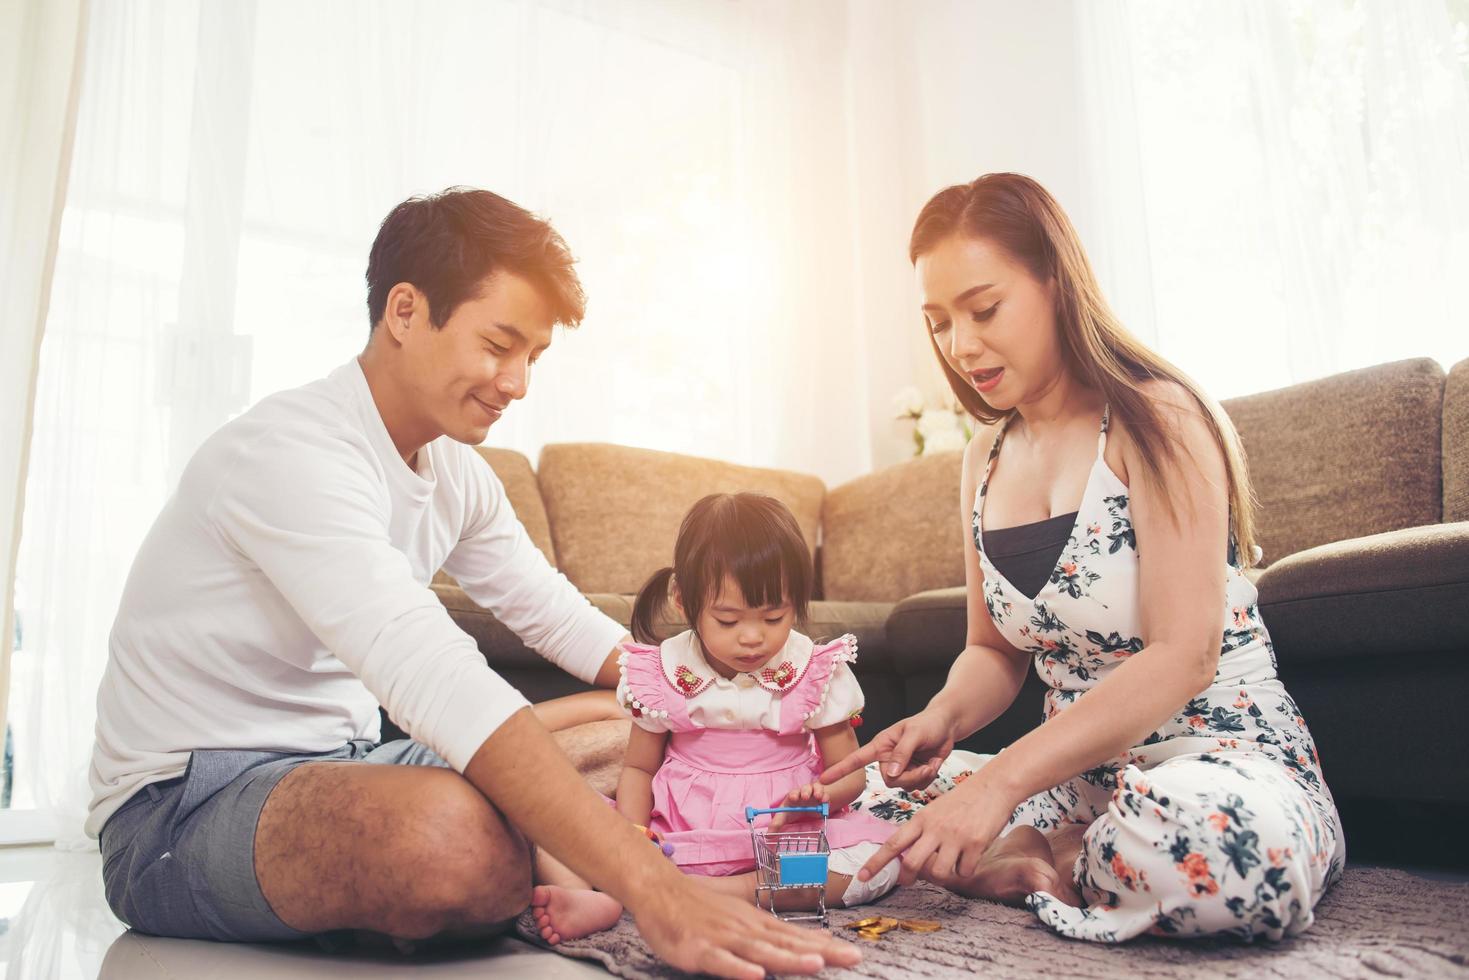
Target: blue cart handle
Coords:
[[751, 812]]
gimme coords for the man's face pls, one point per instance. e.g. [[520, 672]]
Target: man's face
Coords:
[[465, 374]]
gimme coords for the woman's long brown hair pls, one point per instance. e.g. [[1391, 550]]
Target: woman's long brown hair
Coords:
[[1021, 217]]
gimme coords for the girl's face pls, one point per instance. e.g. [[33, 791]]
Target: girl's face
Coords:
[[993, 322], [738, 638]]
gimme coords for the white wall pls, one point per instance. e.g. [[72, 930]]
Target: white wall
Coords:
[[1015, 66]]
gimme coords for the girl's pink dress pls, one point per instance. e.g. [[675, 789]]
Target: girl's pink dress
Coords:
[[711, 773]]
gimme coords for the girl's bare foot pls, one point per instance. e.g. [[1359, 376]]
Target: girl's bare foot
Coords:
[[1015, 866], [571, 913]]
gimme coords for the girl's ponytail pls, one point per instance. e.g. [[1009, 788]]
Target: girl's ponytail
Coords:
[[650, 604]]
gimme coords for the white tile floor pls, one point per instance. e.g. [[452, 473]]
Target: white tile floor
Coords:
[[56, 926]]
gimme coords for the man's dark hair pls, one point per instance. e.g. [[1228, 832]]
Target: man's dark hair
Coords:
[[447, 244]]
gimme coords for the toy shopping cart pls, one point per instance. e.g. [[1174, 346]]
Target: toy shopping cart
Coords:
[[790, 860]]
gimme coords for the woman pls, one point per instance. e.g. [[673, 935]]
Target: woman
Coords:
[[1108, 521]]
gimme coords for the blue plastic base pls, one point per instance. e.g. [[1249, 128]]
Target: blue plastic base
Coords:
[[802, 869]]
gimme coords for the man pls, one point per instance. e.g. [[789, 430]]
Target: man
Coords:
[[281, 596]]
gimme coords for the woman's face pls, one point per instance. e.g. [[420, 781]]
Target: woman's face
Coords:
[[993, 322]]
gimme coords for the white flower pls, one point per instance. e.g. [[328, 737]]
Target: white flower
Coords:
[[943, 442], [907, 403], [937, 421]]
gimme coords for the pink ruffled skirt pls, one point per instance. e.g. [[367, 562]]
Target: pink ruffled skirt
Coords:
[[709, 776]]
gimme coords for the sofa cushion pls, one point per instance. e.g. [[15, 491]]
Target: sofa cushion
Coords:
[[615, 510], [1456, 443], [894, 532], [1350, 455], [1402, 593]]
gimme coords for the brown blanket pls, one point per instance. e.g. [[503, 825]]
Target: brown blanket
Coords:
[[1377, 923]]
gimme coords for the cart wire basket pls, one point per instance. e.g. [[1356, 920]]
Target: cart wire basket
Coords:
[[789, 861]]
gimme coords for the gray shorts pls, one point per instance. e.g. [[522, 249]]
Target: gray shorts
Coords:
[[178, 858]]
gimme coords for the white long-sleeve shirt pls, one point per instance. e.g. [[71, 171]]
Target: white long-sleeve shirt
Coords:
[[282, 594]]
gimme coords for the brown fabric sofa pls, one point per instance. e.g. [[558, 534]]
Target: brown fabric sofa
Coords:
[[1363, 481]]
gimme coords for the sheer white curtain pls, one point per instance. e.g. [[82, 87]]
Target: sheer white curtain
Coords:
[[233, 159], [1281, 185], [41, 55]]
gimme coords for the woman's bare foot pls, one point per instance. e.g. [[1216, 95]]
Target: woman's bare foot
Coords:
[[571, 913], [1015, 866]]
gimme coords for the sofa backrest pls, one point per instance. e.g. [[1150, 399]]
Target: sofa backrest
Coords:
[[1350, 455], [895, 532], [615, 510], [1456, 443], [521, 487]]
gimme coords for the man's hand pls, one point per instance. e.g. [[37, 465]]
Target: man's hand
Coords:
[[910, 752], [521, 771], [696, 929], [812, 794]]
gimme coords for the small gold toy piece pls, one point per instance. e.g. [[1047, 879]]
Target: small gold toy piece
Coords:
[[874, 927]]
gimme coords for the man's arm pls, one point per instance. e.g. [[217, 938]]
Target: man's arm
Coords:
[[520, 771], [500, 568], [610, 670], [308, 507]]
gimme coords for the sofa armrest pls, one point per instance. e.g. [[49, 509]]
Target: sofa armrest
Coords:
[[926, 631], [1400, 592]]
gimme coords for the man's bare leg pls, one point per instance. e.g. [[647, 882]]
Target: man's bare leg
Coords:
[[408, 851]]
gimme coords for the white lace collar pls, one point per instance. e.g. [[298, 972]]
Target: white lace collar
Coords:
[[687, 672]]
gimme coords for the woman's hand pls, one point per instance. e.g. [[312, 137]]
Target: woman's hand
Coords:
[[944, 841], [910, 752]]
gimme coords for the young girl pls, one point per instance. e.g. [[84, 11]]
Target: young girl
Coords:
[[740, 710]]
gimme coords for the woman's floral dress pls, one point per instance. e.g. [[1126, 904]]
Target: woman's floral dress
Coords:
[[1220, 821]]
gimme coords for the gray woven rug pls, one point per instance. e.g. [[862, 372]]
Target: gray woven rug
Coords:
[[1376, 923]]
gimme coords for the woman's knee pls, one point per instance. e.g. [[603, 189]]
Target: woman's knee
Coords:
[[1200, 815]]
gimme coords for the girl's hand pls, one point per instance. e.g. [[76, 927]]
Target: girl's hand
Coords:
[[910, 751], [812, 794], [945, 840]]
